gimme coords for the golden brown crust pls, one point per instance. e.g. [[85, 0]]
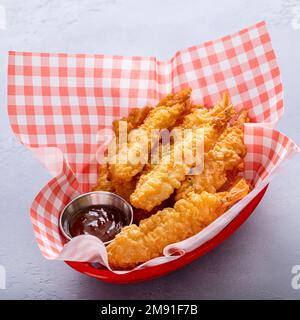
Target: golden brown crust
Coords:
[[138, 244], [134, 119], [103, 183], [160, 182], [200, 198], [228, 154], [163, 116]]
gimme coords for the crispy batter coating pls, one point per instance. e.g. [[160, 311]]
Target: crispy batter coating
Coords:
[[242, 118], [227, 154], [138, 244], [232, 178], [164, 116], [160, 182], [103, 183], [200, 199], [125, 189], [134, 119], [200, 115]]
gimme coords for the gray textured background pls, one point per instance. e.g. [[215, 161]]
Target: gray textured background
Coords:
[[256, 261]]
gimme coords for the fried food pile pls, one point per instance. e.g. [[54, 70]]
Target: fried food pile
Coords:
[[172, 201]]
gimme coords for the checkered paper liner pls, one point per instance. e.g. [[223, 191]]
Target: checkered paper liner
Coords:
[[58, 102]]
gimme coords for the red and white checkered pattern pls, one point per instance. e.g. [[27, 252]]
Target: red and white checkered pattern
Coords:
[[62, 100]]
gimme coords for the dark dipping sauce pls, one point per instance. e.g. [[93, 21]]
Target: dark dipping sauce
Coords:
[[102, 221]]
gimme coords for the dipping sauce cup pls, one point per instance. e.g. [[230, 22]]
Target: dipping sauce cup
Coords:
[[99, 213]]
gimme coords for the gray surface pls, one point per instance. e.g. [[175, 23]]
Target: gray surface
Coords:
[[256, 261]]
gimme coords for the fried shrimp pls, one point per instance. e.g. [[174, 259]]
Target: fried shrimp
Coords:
[[138, 244], [160, 182], [103, 183], [193, 177], [134, 119], [163, 116], [228, 154], [201, 115]]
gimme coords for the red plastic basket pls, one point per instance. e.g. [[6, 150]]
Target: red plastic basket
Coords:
[[160, 270]]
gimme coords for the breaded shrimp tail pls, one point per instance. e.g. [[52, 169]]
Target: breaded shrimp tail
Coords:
[[164, 116], [134, 119], [227, 155], [138, 244], [201, 115], [160, 182], [103, 183]]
